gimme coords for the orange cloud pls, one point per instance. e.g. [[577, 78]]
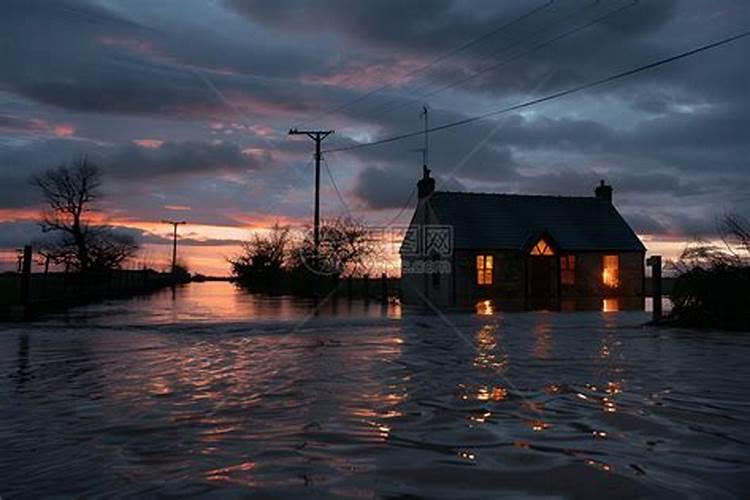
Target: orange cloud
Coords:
[[148, 143], [368, 76], [179, 208], [64, 130], [16, 125], [18, 214]]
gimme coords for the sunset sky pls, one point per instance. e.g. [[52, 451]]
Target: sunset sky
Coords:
[[185, 105]]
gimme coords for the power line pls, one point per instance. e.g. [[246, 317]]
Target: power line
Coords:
[[550, 97], [389, 104], [403, 208], [541, 45], [336, 188], [435, 61]]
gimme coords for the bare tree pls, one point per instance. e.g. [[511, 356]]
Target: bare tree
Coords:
[[712, 283], [733, 251], [735, 231], [70, 192], [346, 247], [264, 256], [108, 249]]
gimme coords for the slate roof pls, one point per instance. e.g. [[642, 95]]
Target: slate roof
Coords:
[[509, 221]]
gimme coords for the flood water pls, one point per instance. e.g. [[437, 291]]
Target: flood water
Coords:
[[217, 393]]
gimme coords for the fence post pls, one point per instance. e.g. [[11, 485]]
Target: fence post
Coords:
[[26, 280], [366, 279], [384, 288], [655, 262], [46, 272]]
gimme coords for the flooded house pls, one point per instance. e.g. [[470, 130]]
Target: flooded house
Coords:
[[520, 251]]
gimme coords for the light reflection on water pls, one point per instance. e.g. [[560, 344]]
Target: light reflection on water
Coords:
[[205, 302], [116, 398]]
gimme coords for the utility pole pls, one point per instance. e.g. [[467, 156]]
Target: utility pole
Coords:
[[318, 136], [174, 241]]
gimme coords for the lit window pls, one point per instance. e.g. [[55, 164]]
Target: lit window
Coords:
[[542, 248], [568, 269], [611, 271], [484, 269]]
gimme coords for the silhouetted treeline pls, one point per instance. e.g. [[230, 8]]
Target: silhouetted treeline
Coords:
[[712, 289], [275, 262]]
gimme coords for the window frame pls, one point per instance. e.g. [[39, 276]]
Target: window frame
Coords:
[[611, 279], [568, 269], [542, 248], [484, 265]]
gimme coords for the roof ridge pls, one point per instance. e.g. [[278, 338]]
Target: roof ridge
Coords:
[[518, 195]]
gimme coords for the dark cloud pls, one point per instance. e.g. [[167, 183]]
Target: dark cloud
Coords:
[[131, 160], [388, 188], [188, 73]]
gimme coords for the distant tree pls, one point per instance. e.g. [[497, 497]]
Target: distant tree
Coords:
[[263, 257], [108, 249], [713, 281], [70, 192], [346, 247]]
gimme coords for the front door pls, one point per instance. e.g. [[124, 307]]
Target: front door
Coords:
[[542, 281]]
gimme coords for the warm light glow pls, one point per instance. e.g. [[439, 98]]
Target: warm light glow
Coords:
[[485, 264], [485, 308], [542, 248], [491, 394], [611, 271], [539, 426], [610, 305], [488, 353], [481, 418], [149, 143]]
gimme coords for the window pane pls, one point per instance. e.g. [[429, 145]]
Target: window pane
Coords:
[[484, 269], [542, 248], [611, 271]]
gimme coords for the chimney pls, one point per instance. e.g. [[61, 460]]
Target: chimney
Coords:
[[426, 185], [603, 192]]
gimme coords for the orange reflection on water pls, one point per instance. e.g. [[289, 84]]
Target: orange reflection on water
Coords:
[[487, 340], [160, 387], [608, 405], [233, 473], [485, 307], [496, 394], [599, 465], [481, 417], [610, 305], [539, 426], [614, 387]]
